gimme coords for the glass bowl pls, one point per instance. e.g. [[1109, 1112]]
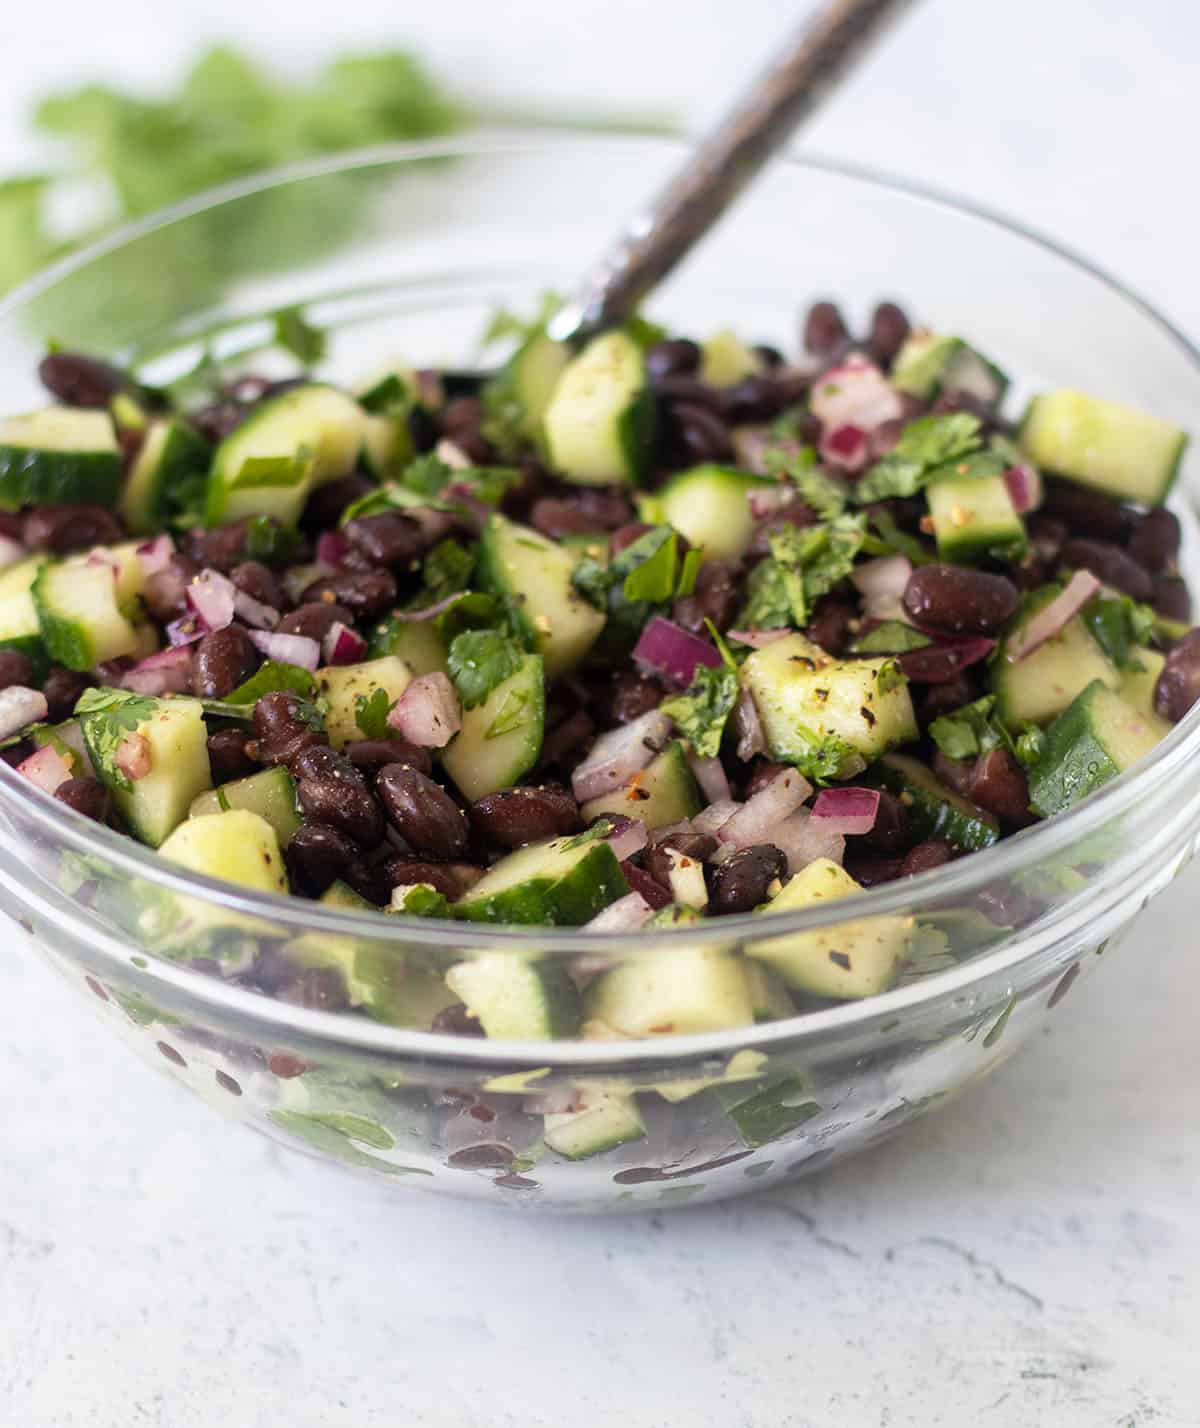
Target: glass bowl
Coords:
[[406, 251]]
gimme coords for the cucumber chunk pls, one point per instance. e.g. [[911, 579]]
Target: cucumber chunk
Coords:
[[563, 881], [1041, 685], [928, 365], [1137, 688], [533, 575], [79, 612], [599, 423], [664, 792], [61, 454], [20, 628], [831, 717], [416, 642], [387, 444], [725, 360], [271, 794], [667, 990], [517, 998], [974, 519], [710, 506], [770, 1112], [170, 453], [849, 960], [1087, 746], [173, 729], [238, 846], [603, 1124], [934, 810], [529, 380], [347, 689], [500, 739], [290, 445], [769, 996], [1107, 445]]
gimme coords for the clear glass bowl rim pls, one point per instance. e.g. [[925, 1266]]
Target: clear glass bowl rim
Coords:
[[962, 878]]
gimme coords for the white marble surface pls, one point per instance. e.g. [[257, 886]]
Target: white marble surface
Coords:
[[1031, 1255]]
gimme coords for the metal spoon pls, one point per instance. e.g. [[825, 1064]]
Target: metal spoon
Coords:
[[795, 84]]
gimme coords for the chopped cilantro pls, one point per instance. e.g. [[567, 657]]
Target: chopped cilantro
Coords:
[[421, 900], [388, 394], [890, 637], [505, 324], [473, 610], [109, 717], [446, 569], [268, 541], [826, 494], [593, 581], [258, 471], [370, 714], [890, 677], [806, 562], [893, 539], [654, 572], [295, 334], [689, 569], [925, 445], [514, 711], [479, 661], [701, 713], [976, 729], [1119, 625], [827, 759], [270, 676]]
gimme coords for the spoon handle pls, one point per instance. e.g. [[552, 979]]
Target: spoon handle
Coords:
[[794, 85]]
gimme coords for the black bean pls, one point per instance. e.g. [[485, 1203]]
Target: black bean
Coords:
[[15, 668], [1047, 534], [423, 813], [327, 502], [315, 619], [742, 882], [222, 660], [889, 330], [953, 773], [763, 772], [512, 817], [770, 357], [755, 398], [1171, 598], [657, 858], [692, 391], [1178, 685], [63, 529], [222, 547], [456, 1020], [825, 332], [959, 601], [872, 869], [219, 419], [329, 789], [625, 536], [830, 625], [452, 880], [1154, 543], [932, 853], [998, 785], [423, 428], [462, 414], [890, 832], [283, 726], [633, 695], [701, 436], [253, 578], [565, 738], [165, 592], [317, 856], [388, 539], [608, 506], [673, 357], [370, 755], [365, 592], [520, 495], [79, 381], [1108, 562], [939, 699], [716, 597], [1085, 512], [230, 756], [62, 688], [85, 795], [557, 518]]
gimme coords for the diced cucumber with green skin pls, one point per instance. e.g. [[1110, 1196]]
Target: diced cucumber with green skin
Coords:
[[771, 1112], [768, 994], [1087, 746], [80, 615], [271, 793], [531, 377], [847, 960], [238, 846], [974, 519], [603, 1124], [387, 444], [1137, 688], [928, 365], [710, 506], [1040, 686], [935, 811], [561, 882], [127, 413], [808, 701], [664, 990], [664, 792], [533, 575], [500, 739], [20, 628], [154, 805], [517, 998], [599, 425], [725, 360], [1109, 446], [61, 455], [416, 642], [342, 686], [170, 452], [316, 428]]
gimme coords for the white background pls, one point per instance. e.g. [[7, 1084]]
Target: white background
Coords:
[[1029, 1256]]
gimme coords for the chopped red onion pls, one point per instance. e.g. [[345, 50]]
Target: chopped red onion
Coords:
[[467, 503], [627, 839], [288, 649], [254, 612], [756, 639], [845, 447], [449, 454], [750, 444], [1024, 484], [135, 758], [641, 882], [881, 583], [342, 645], [747, 724], [627, 914], [854, 393], [20, 706], [212, 598], [184, 631], [668, 649], [429, 611], [803, 839], [935, 664], [619, 754], [156, 554], [11, 551], [332, 547], [712, 778], [766, 501], [850, 811], [47, 768], [1059, 613], [167, 672], [710, 819], [429, 712], [759, 816]]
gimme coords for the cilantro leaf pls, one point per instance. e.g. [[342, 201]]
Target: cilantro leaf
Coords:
[[593, 579], [652, 577], [268, 541], [421, 900], [446, 569], [504, 323], [479, 661], [689, 569], [831, 560], [25, 245], [701, 713], [827, 758], [389, 394], [270, 676], [109, 717], [967, 732], [826, 494], [515, 710], [890, 637], [1119, 625], [295, 334], [370, 714], [893, 539], [925, 444]]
